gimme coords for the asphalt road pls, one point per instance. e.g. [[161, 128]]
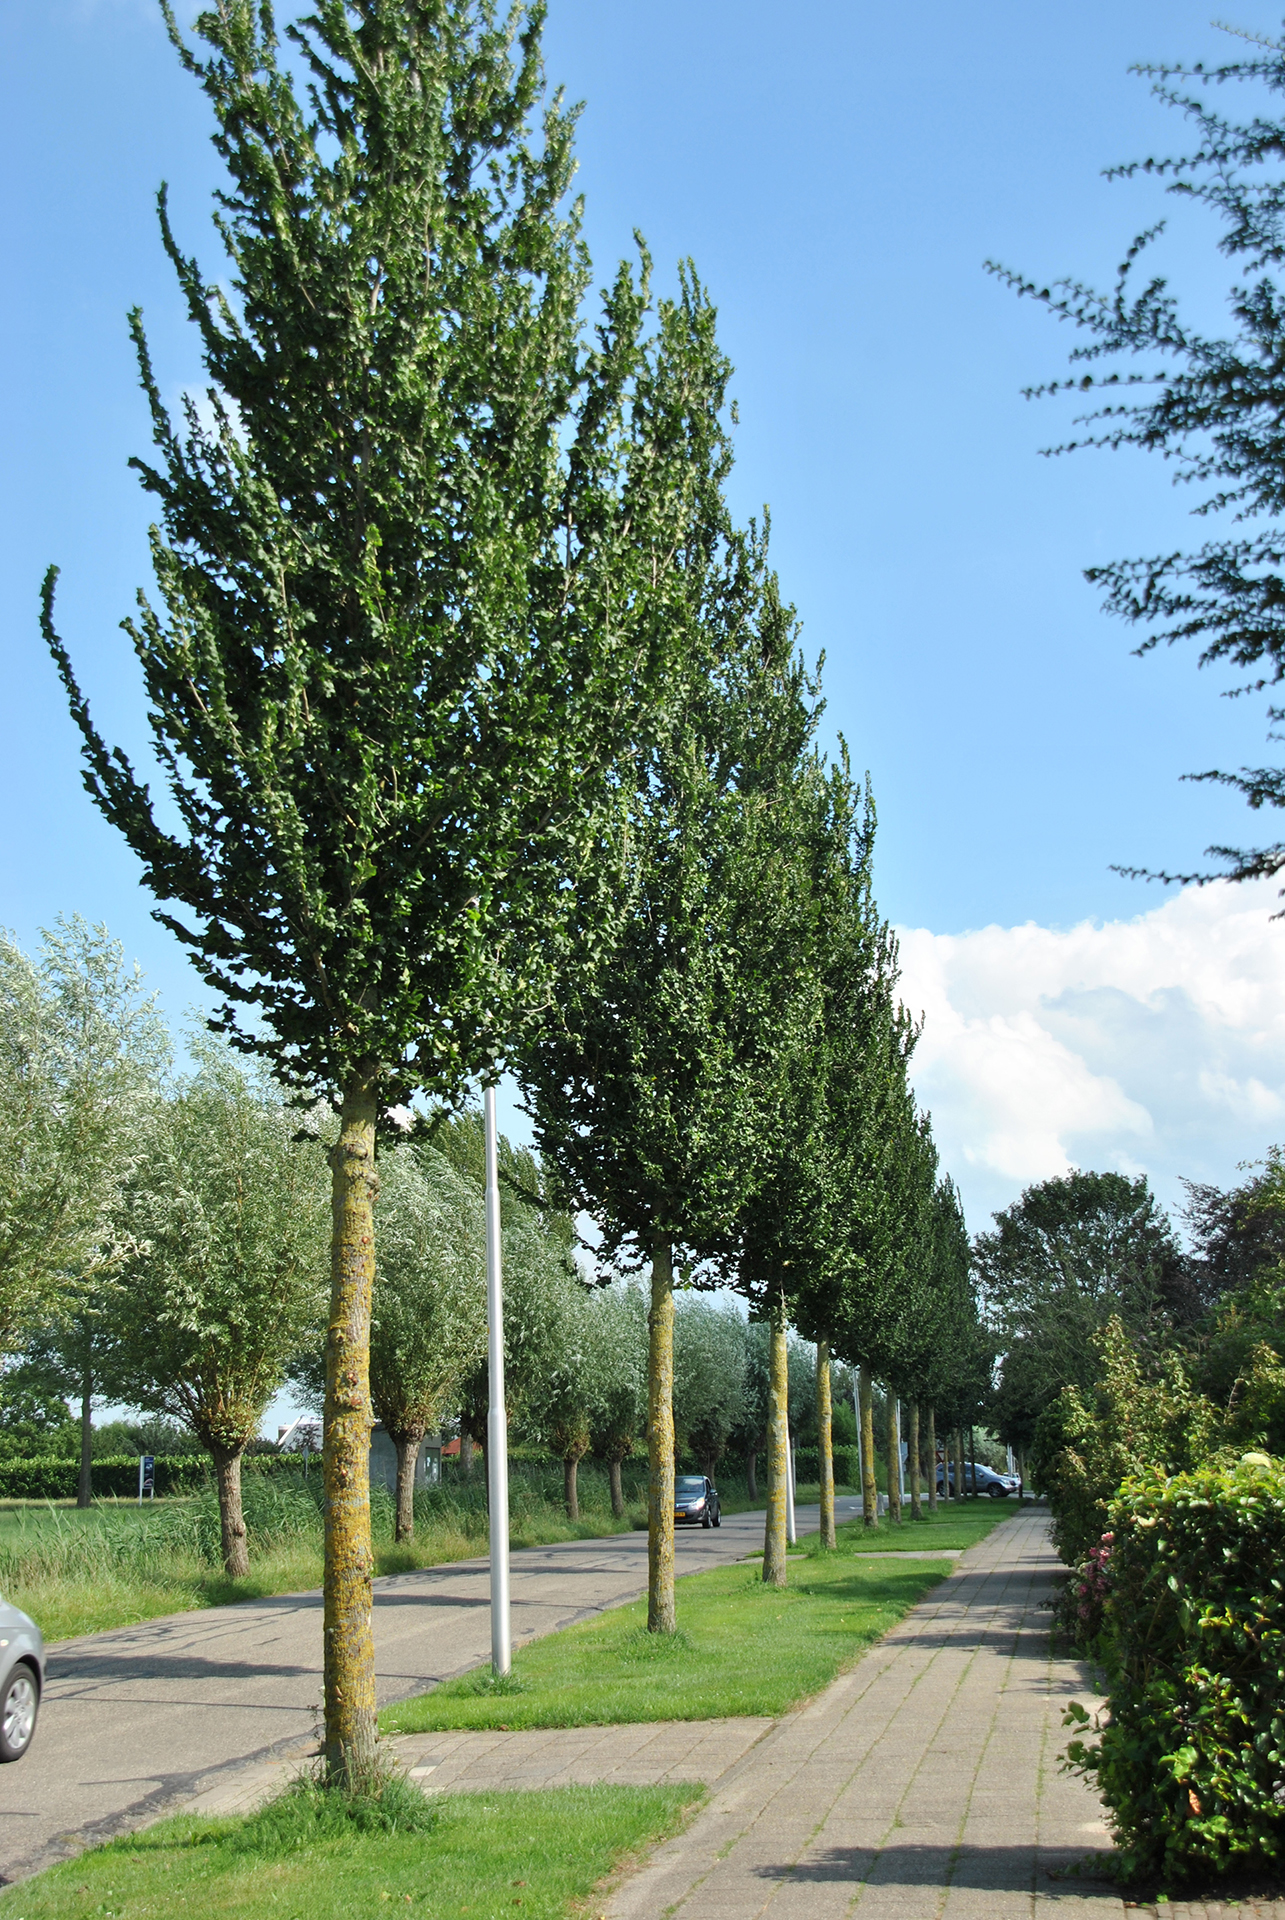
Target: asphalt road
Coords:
[[136, 1722]]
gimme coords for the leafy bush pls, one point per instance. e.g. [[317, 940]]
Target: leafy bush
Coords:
[[1140, 1415], [1191, 1758]]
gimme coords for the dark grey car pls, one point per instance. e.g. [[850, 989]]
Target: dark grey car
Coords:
[[22, 1676], [696, 1499]]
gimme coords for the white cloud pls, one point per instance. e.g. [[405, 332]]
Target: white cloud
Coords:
[[1151, 1045]]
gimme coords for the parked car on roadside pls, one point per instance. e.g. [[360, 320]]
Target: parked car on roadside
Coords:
[[22, 1677], [696, 1499], [980, 1479]]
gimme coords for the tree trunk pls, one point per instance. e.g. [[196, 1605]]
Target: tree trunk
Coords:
[[912, 1461], [932, 1459], [660, 1441], [227, 1478], [972, 1455], [349, 1681], [617, 1491], [466, 1454], [869, 1485], [778, 1439], [961, 1476], [570, 1488], [751, 1473], [893, 1429], [825, 1449], [408, 1444], [85, 1483]]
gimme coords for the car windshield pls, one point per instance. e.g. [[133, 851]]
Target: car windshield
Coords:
[[688, 1486]]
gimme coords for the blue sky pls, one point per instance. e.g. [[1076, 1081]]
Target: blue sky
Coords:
[[839, 172]]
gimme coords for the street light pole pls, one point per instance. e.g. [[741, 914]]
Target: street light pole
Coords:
[[497, 1424]]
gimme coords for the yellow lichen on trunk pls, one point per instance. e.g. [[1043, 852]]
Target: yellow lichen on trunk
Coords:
[[869, 1484], [894, 1460], [778, 1439], [349, 1647], [660, 1441], [912, 1463], [825, 1448]]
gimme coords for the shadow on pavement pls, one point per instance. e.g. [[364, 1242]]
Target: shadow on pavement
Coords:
[[980, 1869]]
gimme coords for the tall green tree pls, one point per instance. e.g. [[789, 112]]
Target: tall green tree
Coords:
[[1209, 403], [646, 1080], [227, 1213], [82, 1050], [415, 566], [1054, 1268]]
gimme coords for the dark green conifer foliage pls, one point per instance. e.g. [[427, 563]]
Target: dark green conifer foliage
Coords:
[[413, 567], [1213, 406]]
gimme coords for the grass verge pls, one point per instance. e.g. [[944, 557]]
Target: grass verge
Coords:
[[742, 1647], [950, 1526], [537, 1855]]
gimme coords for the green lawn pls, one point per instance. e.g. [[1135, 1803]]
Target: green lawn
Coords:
[[537, 1855], [741, 1648], [950, 1526]]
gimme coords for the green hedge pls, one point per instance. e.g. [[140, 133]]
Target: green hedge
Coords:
[[1191, 1760], [847, 1465], [49, 1479]]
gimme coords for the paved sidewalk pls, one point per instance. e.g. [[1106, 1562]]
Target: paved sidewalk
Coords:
[[208, 1710], [923, 1785]]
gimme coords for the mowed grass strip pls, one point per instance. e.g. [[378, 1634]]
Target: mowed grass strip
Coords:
[[742, 1647], [950, 1526], [534, 1855]]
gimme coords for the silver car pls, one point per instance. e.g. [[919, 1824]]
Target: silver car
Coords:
[[22, 1675]]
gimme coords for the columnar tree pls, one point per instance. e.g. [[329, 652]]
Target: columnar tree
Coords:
[[227, 1212], [644, 1081], [414, 563]]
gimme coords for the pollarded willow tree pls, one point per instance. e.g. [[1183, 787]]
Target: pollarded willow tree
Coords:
[[226, 1211], [82, 1052], [415, 563], [428, 1317]]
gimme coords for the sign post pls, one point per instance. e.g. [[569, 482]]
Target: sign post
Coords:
[[146, 1477], [497, 1423]]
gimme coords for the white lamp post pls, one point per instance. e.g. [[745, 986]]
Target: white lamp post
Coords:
[[497, 1425]]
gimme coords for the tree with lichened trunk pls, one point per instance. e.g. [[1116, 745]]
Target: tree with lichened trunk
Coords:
[[647, 1082], [416, 563], [227, 1212]]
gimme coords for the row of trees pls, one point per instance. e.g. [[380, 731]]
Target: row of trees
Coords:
[[486, 739], [182, 1274]]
